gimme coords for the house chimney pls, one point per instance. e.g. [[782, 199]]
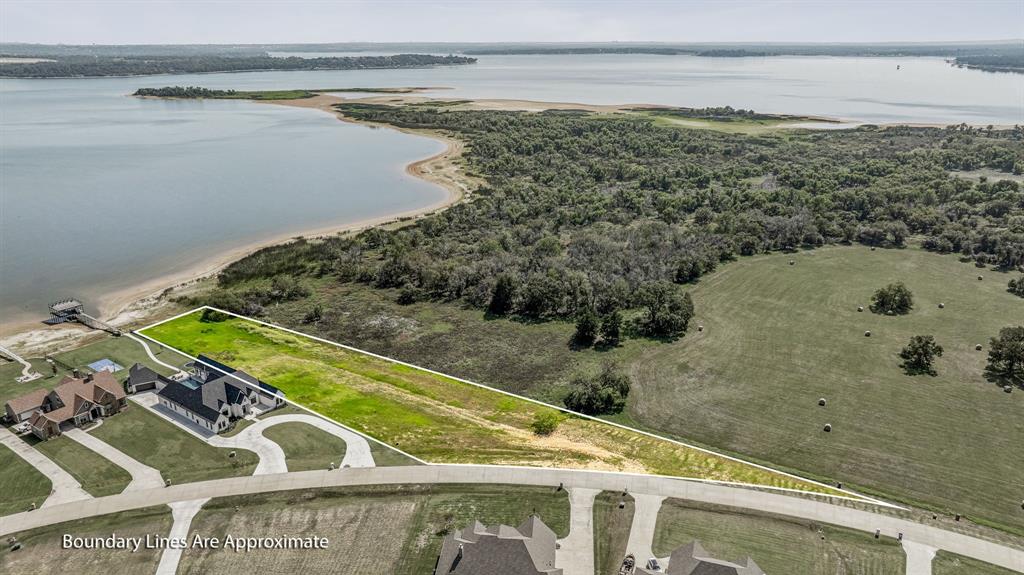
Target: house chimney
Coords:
[[74, 373], [88, 377]]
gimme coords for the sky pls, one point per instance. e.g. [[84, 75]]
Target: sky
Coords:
[[305, 21]]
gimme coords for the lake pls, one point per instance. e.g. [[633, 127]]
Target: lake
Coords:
[[100, 192]]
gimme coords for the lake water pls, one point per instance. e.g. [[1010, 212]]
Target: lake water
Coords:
[[100, 192]]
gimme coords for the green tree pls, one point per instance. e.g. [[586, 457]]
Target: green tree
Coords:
[[546, 422], [586, 327], [919, 354], [599, 395], [667, 310], [1016, 286], [1006, 356], [503, 296], [893, 299], [611, 328]]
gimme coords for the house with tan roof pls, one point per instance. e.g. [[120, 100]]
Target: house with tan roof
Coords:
[[74, 402]]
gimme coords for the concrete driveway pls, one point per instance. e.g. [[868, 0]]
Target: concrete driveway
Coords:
[[575, 554], [64, 487], [143, 476], [272, 457]]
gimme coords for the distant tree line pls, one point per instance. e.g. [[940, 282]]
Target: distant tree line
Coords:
[[133, 65], [604, 220], [184, 92]]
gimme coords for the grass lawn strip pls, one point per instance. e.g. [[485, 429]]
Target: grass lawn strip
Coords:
[[21, 485], [98, 475], [178, 456], [777, 544], [439, 418], [306, 447]]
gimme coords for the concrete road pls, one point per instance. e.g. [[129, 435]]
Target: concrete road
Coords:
[[143, 476], [641, 532], [575, 554], [706, 492], [64, 487]]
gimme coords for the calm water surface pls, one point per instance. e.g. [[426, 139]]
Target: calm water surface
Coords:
[[100, 192]]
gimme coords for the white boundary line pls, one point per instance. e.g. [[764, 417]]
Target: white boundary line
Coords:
[[851, 495]]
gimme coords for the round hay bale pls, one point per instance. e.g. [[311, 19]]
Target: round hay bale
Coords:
[[700, 328], [867, 334], [821, 401], [232, 454], [1008, 389], [942, 306], [978, 347], [792, 262], [981, 278], [860, 308], [828, 428], [872, 248]]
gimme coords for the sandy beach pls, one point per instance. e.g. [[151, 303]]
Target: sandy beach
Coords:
[[146, 301]]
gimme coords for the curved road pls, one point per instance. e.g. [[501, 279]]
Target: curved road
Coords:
[[814, 510]]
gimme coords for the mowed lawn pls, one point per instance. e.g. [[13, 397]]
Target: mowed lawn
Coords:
[[42, 552], [306, 447], [20, 484], [387, 529], [437, 418], [777, 337], [98, 476], [776, 544], [178, 456]]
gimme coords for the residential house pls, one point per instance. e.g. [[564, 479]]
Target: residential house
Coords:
[[213, 395], [479, 550], [75, 401], [693, 559], [142, 378]]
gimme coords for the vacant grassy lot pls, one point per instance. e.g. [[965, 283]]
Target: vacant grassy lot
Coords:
[[777, 544], [97, 475], [434, 417], [306, 447], [371, 530], [778, 336], [20, 484], [179, 456], [41, 548], [946, 563], [611, 531]]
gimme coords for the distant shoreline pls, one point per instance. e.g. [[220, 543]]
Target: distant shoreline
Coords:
[[142, 300]]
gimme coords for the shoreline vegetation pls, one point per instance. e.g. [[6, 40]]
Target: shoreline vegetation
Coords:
[[79, 66]]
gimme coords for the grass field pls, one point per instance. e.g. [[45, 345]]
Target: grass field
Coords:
[[777, 337], [436, 418], [306, 447], [611, 531], [97, 475], [20, 484], [41, 548], [946, 563], [179, 456], [777, 544], [371, 530]]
